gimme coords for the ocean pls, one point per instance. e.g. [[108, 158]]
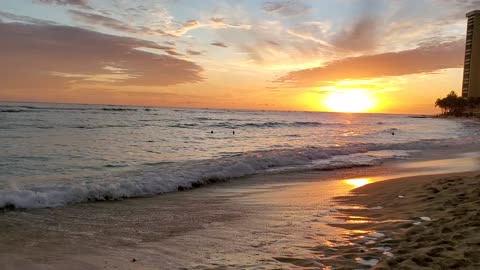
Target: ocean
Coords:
[[57, 154]]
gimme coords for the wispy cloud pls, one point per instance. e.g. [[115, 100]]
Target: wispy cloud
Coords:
[[213, 23], [363, 35], [312, 31], [270, 44], [77, 3], [192, 52], [286, 8], [219, 44], [171, 29], [23, 19], [108, 22]]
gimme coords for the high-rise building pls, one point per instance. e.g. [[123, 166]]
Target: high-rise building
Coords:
[[471, 70]]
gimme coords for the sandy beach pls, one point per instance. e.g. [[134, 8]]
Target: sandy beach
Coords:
[[427, 222], [308, 220]]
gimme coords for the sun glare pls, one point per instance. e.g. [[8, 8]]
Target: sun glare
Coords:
[[358, 182], [350, 101]]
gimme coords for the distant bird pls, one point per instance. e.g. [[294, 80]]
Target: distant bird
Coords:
[[393, 133], [234, 132], [211, 131]]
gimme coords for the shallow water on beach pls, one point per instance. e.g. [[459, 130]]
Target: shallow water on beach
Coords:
[[54, 154], [277, 221]]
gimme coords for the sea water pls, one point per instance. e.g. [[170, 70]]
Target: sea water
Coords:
[[57, 154]]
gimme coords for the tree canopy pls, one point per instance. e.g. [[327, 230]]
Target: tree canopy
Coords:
[[456, 105]]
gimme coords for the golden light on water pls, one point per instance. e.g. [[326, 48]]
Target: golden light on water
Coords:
[[358, 182], [350, 101]]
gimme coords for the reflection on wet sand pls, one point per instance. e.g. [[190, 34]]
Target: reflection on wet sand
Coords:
[[358, 182]]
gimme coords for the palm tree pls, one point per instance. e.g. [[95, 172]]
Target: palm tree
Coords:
[[441, 104], [453, 104]]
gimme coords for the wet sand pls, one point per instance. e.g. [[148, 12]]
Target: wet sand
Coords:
[[426, 222], [283, 221]]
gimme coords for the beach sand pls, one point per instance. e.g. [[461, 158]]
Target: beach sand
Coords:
[[309, 220], [424, 222]]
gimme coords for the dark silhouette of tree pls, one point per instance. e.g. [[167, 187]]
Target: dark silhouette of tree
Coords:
[[455, 105]]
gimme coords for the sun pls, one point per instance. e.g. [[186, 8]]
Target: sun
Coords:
[[350, 101]]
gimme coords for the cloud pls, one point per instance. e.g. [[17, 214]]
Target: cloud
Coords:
[[173, 52], [95, 19], [25, 19], [270, 43], [458, 8], [192, 52], [362, 36], [77, 3], [286, 8], [216, 20], [219, 44], [312, 31], [427, 58], [214, 23], [108, 22], [58, 57], [170, 30]]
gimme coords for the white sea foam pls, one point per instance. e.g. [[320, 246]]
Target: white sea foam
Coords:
[[170, 177]]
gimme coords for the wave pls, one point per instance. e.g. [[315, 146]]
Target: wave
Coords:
[[233, 125], [12, 111], [168, 177], [28, 108], [281, 124], [184, 125], [120, 109], [98, 126]]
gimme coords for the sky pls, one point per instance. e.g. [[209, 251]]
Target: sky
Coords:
[[252, 54]]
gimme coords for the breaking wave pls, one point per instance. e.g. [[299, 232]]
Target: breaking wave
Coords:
[[168, 177]]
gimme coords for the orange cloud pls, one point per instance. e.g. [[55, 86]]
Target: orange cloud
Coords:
[[56, 57], [424, 59]]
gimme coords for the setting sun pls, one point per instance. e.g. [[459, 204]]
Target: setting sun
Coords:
[[352, 101]]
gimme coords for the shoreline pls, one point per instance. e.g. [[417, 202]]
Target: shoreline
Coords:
[[278, 221], [419, 222]]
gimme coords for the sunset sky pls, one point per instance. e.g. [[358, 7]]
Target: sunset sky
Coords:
[[275, 55]]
